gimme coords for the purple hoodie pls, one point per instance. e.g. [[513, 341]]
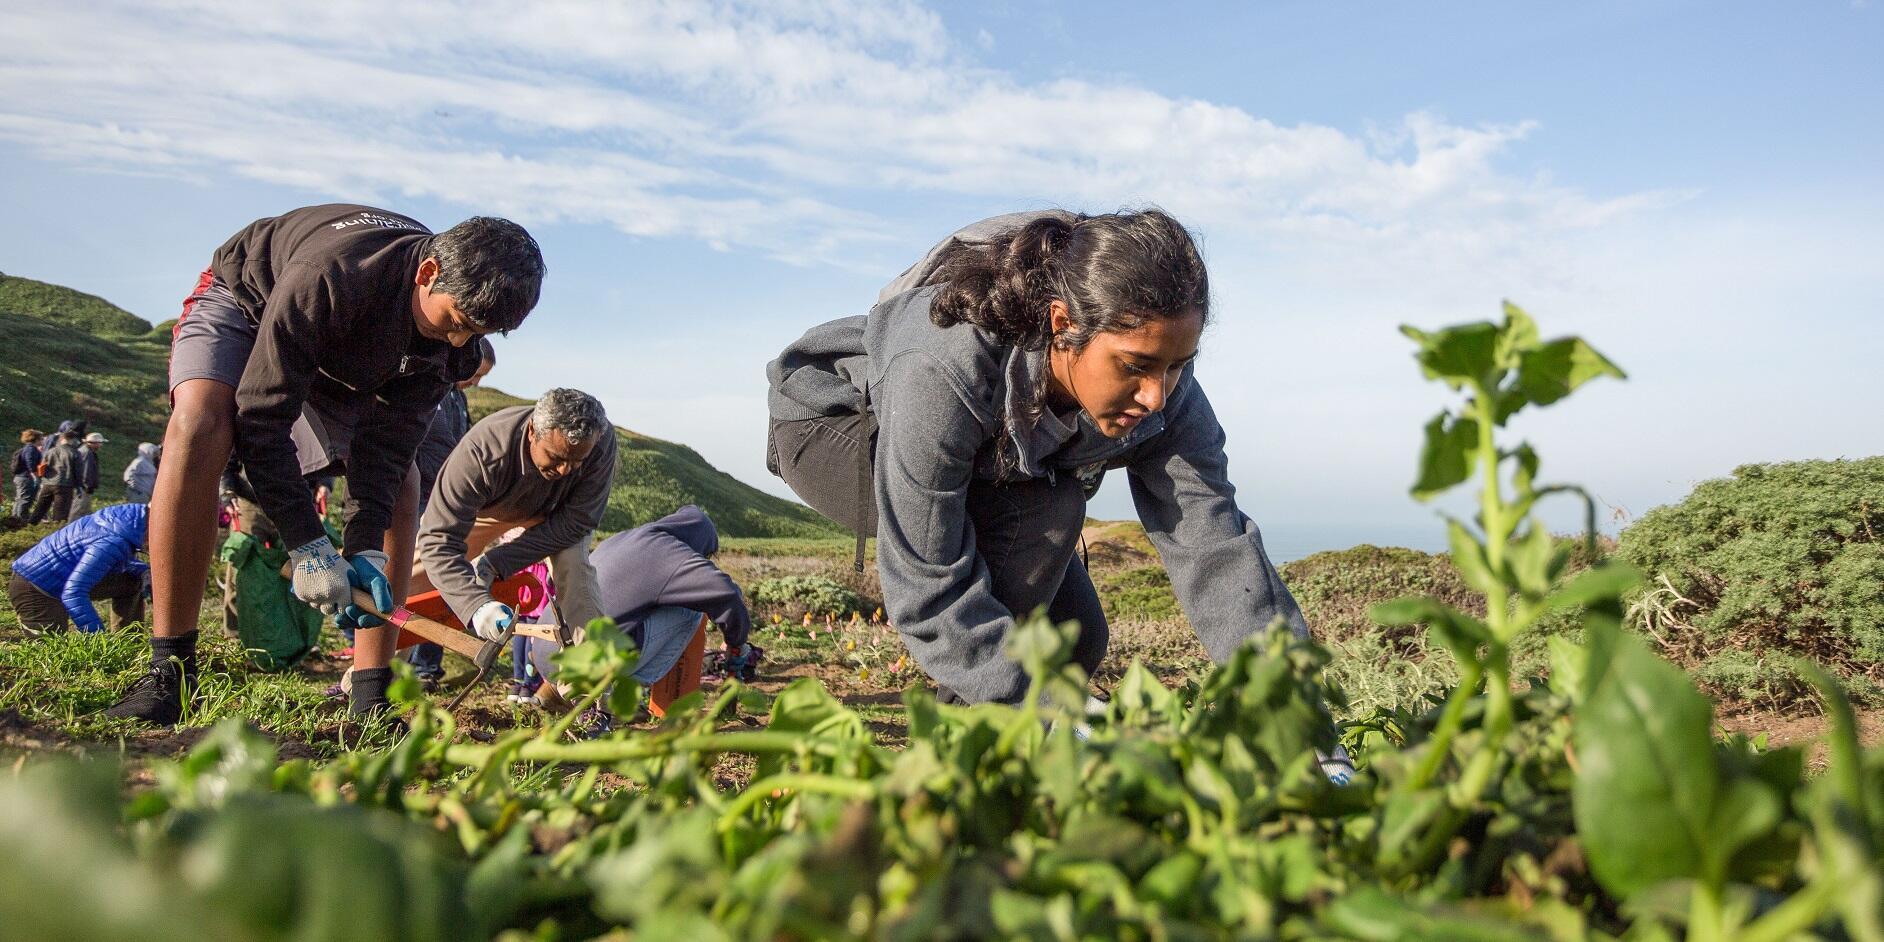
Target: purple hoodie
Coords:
[[665, 563]]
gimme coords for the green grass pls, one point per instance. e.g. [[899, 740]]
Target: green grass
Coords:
[[50, 372], [57, 304]]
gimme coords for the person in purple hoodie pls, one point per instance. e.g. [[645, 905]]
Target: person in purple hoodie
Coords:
[[94, 557], [656, 581]]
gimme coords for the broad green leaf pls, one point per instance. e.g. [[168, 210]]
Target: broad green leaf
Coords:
[[1518, 336], [1569, 664], [1530, 559], [1173, 882], [1468, 557], [1371, 914], [1039, 644], [1606, 581], [1745, 810], [1447, 456], [1140, 693], [1557, 368], [1458, 355], [1645, 797]]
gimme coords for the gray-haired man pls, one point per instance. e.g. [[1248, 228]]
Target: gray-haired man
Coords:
[[546, 468]]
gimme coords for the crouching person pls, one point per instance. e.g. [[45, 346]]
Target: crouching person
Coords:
[[656, 582], [93, 557], [546, 468]]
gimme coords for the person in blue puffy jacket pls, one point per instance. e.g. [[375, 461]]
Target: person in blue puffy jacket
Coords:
[[94, 557]]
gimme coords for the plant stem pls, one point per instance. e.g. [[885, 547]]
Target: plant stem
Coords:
[[1492, 509], [1440, 745], [1704, 914], [1795, 915], [822, 784], [621, 750]]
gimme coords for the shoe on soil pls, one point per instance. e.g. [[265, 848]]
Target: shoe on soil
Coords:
[[594, 723], [156, 697], [524, 691]]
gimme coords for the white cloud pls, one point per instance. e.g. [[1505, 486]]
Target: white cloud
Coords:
[[806, 130], [760, 125]]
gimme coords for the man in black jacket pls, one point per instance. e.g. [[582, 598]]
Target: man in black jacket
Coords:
[[318, 341]]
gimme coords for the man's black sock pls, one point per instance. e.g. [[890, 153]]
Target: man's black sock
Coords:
[[369, 689], [181, 647]]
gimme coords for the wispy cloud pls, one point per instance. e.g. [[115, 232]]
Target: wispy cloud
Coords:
[[759, 125]]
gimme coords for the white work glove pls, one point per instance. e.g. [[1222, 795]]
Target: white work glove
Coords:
[[485, 573], [491, 620], [1338, 767], [320, 575]]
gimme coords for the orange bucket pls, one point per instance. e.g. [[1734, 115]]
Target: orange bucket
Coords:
[[684, 678], [433, 606]]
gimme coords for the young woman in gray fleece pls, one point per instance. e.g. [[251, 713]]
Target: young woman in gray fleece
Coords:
[[967, 418]]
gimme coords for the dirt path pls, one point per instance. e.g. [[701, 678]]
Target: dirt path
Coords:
[[1781, 730]]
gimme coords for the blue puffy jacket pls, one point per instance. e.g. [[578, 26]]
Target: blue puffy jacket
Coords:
[[70, 562]]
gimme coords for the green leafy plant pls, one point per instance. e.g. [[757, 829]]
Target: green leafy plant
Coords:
[[1596, 804], [1775, 562], [800, 595]]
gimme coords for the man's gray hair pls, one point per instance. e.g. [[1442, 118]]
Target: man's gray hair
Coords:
[[574, 413]]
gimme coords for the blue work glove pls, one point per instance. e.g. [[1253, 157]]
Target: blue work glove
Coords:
[[366, 570]]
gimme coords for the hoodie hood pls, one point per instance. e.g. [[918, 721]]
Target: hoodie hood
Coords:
[[147, 451], [691, 526]]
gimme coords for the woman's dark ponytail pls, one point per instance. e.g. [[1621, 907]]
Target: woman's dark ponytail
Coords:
[[1113, 271], [1003, 286]]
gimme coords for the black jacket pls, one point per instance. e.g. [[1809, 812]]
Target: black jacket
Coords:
[[330, 289]]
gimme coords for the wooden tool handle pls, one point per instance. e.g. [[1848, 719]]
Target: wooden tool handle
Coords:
[[424, 628]]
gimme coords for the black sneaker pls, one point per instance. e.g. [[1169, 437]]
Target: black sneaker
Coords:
[[156, 697]]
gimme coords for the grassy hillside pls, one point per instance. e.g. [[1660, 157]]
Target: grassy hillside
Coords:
[[68, 354], [73, 355], [656, 477], [61, 305]]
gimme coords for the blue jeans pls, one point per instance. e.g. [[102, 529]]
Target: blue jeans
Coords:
[[428, 659]]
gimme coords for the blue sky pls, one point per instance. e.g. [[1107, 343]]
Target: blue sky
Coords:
[[1695, 187]]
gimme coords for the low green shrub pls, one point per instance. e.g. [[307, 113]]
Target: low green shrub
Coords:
[[813, 595], [1139, 593], [1778, 559]]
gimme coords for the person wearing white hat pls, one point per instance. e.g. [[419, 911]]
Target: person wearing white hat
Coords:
[[88, 474], [140, 476]]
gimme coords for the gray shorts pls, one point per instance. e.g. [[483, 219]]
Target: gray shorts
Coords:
[[213, 339]]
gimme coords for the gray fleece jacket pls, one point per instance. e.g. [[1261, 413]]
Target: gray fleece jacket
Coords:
[[490, 474], [939, 396]]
